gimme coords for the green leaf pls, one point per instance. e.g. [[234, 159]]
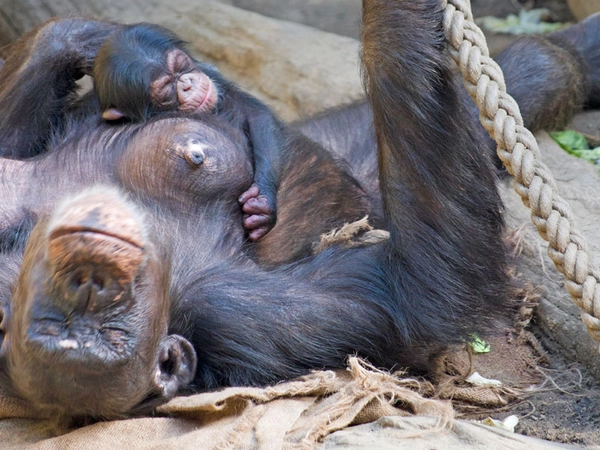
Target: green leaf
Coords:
[[527, 22], [479, 345], [575, 144], [592, 155], [570, 140]]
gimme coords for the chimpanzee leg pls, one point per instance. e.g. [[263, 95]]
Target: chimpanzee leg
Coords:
[[439, 195], [583, 42], [548, 82], [38, 81]]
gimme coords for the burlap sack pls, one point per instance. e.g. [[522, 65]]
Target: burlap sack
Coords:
[[299, 414], [296, 414]]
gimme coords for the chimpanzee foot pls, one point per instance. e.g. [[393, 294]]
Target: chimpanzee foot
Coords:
[[259, 214]]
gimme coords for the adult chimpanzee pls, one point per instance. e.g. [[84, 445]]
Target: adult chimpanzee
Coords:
[[143, 69], [125, 294]]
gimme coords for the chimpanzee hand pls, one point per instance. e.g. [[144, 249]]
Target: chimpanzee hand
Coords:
[[75, 39], [50, 58], [259, 213]]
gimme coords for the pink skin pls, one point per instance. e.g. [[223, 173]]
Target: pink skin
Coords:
[[195, 91], [257, 213]]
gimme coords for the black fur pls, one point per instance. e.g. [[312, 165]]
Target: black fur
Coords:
[[135, 56], [439, 278]]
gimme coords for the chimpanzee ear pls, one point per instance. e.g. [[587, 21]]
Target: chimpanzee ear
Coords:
[[176, 365]]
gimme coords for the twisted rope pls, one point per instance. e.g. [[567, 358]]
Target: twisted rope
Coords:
[[518, 150]]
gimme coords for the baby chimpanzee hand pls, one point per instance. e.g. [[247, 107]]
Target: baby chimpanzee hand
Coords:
[[259, 214]]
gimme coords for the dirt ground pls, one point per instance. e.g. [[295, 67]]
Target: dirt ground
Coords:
[[554, 398], [565, 405], [558, 400], [567, 408]]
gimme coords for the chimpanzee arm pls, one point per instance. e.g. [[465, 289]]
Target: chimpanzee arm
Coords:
[[38, 80], [268, 144], [267, 136]]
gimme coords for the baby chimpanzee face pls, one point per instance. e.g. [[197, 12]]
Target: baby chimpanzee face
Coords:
[[184, 87]]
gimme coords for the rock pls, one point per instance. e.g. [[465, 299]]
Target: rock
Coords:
[[296, 69], [578, 183], [335, 16], [583, 8], [392, 433], [588, 123]]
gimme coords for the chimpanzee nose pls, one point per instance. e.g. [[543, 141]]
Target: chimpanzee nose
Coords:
[[187, 82]]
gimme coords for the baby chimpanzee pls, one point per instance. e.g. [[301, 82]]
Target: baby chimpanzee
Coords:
[[144, 69]]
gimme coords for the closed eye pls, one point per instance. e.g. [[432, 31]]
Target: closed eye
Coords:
[[163, 91]]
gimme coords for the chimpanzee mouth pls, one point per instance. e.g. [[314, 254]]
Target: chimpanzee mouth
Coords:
[[207, 103], [108, 253]]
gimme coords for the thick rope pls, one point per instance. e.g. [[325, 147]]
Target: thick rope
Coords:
[[518, 150]]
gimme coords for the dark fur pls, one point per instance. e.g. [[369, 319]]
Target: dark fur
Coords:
[[128, 62], [438, 279], [135, 56]]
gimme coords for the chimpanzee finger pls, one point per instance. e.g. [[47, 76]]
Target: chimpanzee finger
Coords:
[[253, 191], [257, 205], [258, 234], [255, 221]]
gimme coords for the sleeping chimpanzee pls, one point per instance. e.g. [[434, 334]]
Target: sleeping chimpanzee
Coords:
[[143, 69], [138, 287], [39, 120]]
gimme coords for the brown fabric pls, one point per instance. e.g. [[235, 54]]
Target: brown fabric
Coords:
[[480, 396], [292, 415], [355, 234]]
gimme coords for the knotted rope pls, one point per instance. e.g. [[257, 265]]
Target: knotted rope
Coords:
[[518, 150]]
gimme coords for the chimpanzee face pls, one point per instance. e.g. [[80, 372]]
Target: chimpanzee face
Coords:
[[87, 329], [184, 86], [178, 85]]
